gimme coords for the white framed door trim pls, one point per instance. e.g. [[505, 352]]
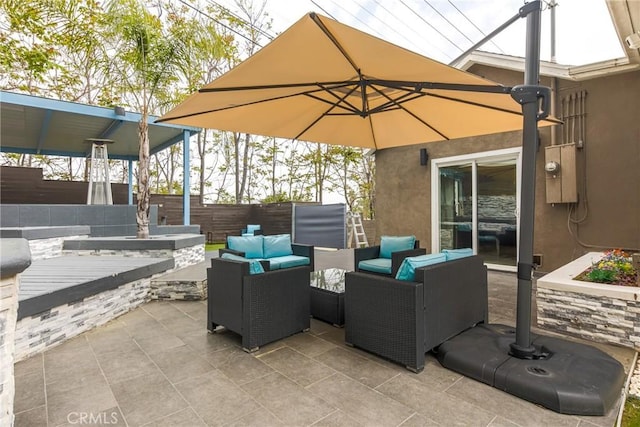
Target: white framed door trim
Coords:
[[514, 153]]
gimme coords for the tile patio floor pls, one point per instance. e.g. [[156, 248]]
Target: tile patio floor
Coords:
[[158, 366]]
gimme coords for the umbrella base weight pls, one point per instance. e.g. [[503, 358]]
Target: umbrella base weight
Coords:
[[571, 378]]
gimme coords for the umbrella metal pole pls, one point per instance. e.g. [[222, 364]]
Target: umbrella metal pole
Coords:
[[529, 95]]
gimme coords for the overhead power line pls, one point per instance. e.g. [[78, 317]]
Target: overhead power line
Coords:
[[448, 22], [414, 31], [432, 27], [472, 23], [389, 25], [325, 11], [220, 23], [244, 21], [354, 16]]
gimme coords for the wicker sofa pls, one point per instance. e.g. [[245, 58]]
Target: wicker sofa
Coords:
[[273, 251], [403, 320], [263, 307]]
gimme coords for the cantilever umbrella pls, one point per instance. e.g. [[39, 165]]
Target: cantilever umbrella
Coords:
[[322, 81]]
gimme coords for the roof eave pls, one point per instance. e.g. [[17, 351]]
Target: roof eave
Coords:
[[566, 72]]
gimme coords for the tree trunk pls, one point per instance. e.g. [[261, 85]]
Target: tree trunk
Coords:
[[142, 214]]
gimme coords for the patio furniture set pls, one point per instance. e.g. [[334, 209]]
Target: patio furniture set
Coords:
[[399, 303]]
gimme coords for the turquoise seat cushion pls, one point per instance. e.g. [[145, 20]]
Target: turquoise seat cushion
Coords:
[[254, 265], [250, 245], [452, 254], [464, 226], [407, 270], [376, 265], [389, 244], [252, 227], [276, 246], [288, 261]]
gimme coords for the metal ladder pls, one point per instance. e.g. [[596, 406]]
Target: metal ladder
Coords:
[[356, 231]]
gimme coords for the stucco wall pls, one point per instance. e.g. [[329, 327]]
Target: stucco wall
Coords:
[[608, 164]]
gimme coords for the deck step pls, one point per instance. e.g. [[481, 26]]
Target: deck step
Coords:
[[52, 282]]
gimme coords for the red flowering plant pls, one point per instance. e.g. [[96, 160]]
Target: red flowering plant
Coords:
[[615, 268]]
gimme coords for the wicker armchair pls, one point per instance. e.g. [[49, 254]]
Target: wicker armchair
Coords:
[[373, 252], [402, 320], [262, 308]]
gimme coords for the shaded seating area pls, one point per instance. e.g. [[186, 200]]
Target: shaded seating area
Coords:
[[261, 306], [401, 320], [387, 257]]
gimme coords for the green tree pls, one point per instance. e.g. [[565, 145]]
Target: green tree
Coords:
[[145, 58]]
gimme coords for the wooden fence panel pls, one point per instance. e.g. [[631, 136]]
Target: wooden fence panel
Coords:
[[26, 186]]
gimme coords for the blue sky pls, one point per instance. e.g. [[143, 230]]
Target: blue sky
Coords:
[[585, 32]]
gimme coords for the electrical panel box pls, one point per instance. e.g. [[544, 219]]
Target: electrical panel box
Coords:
[[561, 175]]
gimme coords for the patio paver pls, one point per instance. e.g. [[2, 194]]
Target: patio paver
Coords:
[[157, 366]]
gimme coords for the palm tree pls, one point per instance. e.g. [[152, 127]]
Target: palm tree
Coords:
[[144, 59]]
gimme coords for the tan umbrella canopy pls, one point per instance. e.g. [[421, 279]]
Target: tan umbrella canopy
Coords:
[[323, 81]]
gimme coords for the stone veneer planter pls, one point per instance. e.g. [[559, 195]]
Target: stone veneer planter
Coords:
[[15, 259], [185, 249], [594, 311]]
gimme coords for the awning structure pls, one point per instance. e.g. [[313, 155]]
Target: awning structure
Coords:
[[37, 125]]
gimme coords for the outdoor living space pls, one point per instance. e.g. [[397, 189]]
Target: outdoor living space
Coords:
[[158, 365]]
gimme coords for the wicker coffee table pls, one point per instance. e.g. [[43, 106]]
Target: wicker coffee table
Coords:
[[327, 295]]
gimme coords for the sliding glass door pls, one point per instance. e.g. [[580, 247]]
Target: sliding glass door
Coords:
[[475, 205]]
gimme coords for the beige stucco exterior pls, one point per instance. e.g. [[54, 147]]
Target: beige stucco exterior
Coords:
[[608, 173]]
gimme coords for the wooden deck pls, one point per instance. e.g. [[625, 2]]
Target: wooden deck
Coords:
[[52, 282]]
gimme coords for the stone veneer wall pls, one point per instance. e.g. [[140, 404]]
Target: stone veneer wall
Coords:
[[49, 248], [183, 257], [8, 314], [45, 330], [593, 317], [14, 260], [179, 290]]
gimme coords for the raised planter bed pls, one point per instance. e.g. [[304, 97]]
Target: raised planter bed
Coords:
[[594, 311]]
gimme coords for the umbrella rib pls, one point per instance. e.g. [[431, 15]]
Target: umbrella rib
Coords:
[[337, 83], [476, 104], [419, 86], [331, 37], [337, 103], [411, 113], [341, 100], [275, 98], [345, 105]]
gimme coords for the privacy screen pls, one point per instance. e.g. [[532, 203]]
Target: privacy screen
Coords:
[[320, 225]]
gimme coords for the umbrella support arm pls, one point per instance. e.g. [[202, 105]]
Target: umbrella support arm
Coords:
[[522, 13]]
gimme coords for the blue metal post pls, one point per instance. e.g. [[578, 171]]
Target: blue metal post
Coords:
[[130, 186], [186, 182]]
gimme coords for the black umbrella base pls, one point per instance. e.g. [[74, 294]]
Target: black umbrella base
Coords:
[[573, 378]]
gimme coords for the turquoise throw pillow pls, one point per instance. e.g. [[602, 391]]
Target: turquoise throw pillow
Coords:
[[254, 265], [250, 245], [277, 245], [389, 244], [457, 253], [407, 270]]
